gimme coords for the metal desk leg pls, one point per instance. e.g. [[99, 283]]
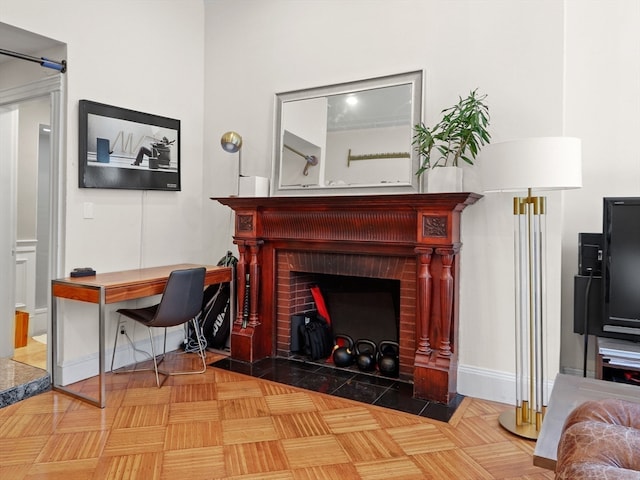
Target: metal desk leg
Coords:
[[54, 339], [55, 381], [101, 339]]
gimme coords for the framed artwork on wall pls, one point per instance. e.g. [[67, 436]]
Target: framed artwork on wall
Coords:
[[125, 149]]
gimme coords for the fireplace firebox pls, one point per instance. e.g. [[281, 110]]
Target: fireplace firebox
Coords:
[[413, 240], [359, 307]]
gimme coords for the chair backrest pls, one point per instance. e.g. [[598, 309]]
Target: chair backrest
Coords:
[[182, 298]]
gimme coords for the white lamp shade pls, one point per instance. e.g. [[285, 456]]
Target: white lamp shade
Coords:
[[539, 163]]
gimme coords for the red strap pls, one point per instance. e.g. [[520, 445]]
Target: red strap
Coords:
[[320, 305]]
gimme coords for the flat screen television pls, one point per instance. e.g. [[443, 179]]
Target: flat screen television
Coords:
[[621, 268]]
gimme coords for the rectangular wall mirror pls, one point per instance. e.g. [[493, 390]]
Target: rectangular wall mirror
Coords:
[[349, 138]]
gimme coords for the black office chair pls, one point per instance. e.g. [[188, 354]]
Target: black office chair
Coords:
[[181, 302]]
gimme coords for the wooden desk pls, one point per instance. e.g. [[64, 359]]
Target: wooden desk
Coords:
[[568, 392], [113, 287]]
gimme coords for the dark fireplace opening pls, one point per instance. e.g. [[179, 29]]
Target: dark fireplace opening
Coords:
[[386, 283], [362, 308]]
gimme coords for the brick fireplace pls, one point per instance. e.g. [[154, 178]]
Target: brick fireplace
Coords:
[[414, 239], [294, 297]]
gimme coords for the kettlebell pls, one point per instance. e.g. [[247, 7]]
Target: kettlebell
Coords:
[[343, 354], [365, 355], [388, 358]]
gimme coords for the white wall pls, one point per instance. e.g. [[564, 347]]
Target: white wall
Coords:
[[510, 50], [602, 99], [366, 142], [143, 55], [30, 248], [549, 67]]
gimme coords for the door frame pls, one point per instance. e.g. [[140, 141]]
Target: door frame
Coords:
[[53, 87]]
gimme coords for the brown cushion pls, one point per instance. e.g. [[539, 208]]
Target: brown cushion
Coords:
[[611, 410], [601, 440]]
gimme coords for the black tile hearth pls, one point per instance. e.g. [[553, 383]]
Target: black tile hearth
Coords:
[[345, 383]]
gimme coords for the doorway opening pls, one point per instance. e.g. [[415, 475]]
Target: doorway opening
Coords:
[[33, 112], [33, 242]]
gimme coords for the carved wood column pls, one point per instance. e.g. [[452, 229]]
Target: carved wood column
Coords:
[[254, 283], [435, 374], [446, 299], [241, 269], [423, 301], [246, 335]]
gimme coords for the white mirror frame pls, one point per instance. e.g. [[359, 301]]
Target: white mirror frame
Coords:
[[412, 184]]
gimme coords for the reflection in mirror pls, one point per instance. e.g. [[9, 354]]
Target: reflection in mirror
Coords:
[[349, 138], [298, 163]]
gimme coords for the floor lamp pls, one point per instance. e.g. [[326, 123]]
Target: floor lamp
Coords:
[[232, 142], [543, 163]]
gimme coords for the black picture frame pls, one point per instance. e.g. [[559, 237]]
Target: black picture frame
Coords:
[[126, 149]]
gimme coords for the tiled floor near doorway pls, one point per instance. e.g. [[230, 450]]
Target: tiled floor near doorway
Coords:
[[19, 381]]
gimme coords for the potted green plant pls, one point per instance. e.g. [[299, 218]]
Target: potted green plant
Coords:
[[459, 135]]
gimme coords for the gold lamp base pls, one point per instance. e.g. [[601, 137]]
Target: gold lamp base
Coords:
[[526, 430]]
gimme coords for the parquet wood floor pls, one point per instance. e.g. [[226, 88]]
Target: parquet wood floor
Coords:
[[223, 424], [34, 353]]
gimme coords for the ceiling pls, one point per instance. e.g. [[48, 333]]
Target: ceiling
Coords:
[[370, 108], [22, 41]]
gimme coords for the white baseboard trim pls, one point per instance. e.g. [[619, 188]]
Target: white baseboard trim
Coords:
[[38, 320], [86, 367], [578, 372], [492, 385], [485, 384]]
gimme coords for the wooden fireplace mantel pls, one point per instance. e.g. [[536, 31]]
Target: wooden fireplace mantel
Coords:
[[422, 227]]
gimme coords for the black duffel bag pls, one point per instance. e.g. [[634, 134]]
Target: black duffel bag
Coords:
[[317, 337]]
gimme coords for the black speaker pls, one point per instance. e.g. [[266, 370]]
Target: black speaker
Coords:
[[582, 289], [589, 253], [296, 322]]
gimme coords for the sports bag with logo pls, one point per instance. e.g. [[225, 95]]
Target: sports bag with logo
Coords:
[[214, 320], [317, 337]]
